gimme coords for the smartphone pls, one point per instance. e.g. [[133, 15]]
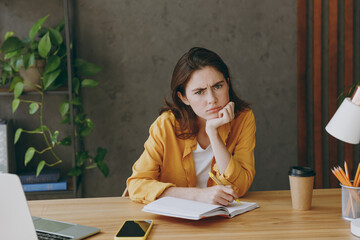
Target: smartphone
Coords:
[[134, 230]]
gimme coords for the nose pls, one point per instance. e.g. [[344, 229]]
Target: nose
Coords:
[[211, 97]]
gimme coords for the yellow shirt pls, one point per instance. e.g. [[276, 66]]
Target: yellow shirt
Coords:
[[167, 160]]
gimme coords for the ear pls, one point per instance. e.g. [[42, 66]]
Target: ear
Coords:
[[183, 99]]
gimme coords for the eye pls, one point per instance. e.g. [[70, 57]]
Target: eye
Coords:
[[199, 92], [218, 86]]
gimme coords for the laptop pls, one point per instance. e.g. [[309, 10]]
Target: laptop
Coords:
[[16, 222]]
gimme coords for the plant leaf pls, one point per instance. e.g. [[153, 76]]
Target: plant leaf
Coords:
[[29, 155], [76, 85], [18, 64], [76, 101], [60, 26], [32, 60], [66, 141], [44, 128], [36, 27], [33, 108], [89, 83], [26, 60], [50, 78], [39, 129], [17, 135], [44, 46], [54, 137], [9, 34], [40, 167], [76, 171], [11, 44], [85, 131], [66, 119], [101, 152], [19, 87], [89, 123], [7, 67], [26, 41], [103, 168], [4, 79], [15, 104], [15, 80], [94, 165], [81, 158], [52, 64], [10, 55], [80, 118], [34, 45], [64, 108], [86, 68], [61, 51], [42, 31], [55, 36]]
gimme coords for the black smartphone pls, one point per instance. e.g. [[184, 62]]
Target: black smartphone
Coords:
[[134, 230]]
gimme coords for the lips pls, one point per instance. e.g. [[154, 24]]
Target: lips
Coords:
[[213, 110]]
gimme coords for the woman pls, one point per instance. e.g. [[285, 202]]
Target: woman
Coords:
[[206, 128]]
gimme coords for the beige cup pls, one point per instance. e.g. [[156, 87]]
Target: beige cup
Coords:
[[301, 185]]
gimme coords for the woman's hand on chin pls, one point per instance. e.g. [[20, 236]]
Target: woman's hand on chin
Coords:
[[225, 115]]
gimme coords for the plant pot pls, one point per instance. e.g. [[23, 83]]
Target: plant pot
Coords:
[[32, 75]]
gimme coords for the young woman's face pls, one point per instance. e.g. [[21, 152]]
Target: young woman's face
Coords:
[[207, 92]]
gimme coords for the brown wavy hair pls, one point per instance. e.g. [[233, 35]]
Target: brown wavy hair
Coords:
[[195, 59]]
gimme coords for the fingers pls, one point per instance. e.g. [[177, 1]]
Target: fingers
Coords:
[[223, 201], [224, 195], [229, 190], [231, 109], [227, 113]]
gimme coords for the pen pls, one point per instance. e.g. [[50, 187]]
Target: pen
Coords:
[[219, 183]]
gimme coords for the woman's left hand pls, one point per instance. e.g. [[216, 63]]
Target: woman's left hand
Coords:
[[225, 115]]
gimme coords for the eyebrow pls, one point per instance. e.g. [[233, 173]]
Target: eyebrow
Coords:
[[200, 89]]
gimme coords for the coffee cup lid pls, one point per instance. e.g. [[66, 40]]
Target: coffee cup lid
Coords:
[[301, 172]]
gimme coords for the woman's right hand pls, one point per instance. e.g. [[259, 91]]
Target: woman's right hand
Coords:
[[219, 194]]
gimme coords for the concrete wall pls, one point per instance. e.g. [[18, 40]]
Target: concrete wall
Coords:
[[139, 42]]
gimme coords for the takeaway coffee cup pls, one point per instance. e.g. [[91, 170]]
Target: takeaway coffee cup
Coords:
[[301, 185]]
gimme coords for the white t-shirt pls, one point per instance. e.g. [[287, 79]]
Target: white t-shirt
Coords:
[[202, 160]]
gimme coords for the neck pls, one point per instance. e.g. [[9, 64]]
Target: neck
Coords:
[[202, 137]]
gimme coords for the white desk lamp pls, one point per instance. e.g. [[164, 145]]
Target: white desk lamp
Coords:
[[345, 126]]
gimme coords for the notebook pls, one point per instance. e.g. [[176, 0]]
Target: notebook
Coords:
[[183, 208], [16, 222]]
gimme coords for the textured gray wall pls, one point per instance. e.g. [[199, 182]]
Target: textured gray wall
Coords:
[[139, 42]]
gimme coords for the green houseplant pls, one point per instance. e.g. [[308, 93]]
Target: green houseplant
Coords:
[[46, 45]]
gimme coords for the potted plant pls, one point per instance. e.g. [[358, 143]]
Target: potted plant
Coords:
[[43, 53]]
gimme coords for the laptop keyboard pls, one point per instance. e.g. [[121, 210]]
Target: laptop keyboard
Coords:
[[50, 236]]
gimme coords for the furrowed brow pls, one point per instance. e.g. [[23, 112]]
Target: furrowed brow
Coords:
[[218, 83], [198, 89], [202, 89]]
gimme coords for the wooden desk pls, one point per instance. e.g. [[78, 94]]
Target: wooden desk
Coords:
[[275, 219]]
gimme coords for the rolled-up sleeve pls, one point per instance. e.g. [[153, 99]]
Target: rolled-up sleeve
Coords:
[[144, 185], [240, 171]]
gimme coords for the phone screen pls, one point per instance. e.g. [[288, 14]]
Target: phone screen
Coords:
[[134, 229]]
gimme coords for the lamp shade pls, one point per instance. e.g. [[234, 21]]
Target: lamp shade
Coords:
[[345, 124]]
